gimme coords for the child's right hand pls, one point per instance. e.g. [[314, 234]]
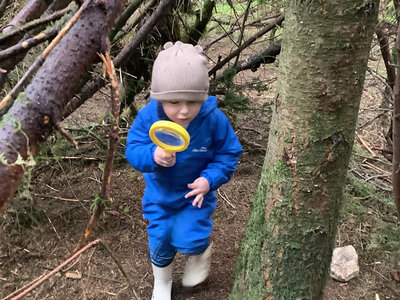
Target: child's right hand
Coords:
[[163, 158]]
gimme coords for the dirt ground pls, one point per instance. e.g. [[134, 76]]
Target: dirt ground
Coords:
[[39, 231]]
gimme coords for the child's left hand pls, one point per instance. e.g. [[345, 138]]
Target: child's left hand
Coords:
[[199, 187]]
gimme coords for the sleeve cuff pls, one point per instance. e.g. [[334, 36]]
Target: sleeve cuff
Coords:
[[210, 182]]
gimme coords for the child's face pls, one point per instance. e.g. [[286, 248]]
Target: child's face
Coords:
[[181, 112]]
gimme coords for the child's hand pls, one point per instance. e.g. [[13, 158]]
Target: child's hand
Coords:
[[199, 187], [163, 158]]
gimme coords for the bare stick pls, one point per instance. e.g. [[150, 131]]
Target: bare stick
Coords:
[[22, 288], [28, 26], [248, 42], [43, 278], [246, 14], [113, 137], [24, 45], [66, 134], [364, 143], [40, 60], [232, 30], [60, 198]]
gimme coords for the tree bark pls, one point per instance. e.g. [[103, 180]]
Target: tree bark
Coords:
[[32, 117], [387, 57], [396, 133], [287, 249]]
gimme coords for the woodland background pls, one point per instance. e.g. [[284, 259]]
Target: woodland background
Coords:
[[54, 202]]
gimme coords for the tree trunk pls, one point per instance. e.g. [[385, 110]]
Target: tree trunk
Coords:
[[33, 115], [287, 249]]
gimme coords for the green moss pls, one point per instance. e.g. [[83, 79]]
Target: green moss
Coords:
[[386, 237]]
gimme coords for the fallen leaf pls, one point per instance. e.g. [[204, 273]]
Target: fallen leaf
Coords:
[[73, 275], [395, 276]]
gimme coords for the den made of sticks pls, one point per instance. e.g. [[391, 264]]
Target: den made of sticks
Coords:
[[311, 90]]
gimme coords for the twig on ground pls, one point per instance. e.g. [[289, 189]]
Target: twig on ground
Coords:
[[60, 198], [371, 120], [22, 288], [44, 277], [373, 167], [382, 150], [55, 231], [225, 199], [364, 143], [253, 144], [121, 269]]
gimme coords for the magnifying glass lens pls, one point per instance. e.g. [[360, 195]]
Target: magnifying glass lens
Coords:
[[169, 137]]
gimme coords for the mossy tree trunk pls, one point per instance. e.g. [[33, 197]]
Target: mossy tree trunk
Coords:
[[287, 249]]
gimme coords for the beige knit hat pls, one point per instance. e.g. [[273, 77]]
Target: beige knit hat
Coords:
[[180, 73]]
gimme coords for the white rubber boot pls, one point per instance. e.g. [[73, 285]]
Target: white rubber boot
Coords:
[[162, 283], [197, 268]]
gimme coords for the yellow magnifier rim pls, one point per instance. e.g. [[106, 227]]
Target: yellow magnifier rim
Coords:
[[175, 129]]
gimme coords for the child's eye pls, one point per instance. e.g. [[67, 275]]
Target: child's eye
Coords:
[[174, 102]]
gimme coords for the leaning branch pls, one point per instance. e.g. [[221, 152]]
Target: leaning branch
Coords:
[[26, 45], [92, 87], [40, 60], [31, 11], [34, 24], [387, 57], [124, 17], [265, 56], [235, 28], [260, 33], [31, 119]]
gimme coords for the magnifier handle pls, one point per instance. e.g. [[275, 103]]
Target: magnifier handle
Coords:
[[166, 150]]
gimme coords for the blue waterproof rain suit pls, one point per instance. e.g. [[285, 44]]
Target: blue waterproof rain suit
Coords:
[[213, 153]]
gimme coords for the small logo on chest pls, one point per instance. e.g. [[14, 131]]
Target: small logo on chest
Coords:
[[202, 149]]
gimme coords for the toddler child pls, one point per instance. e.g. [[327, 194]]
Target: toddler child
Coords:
[[179, 197]]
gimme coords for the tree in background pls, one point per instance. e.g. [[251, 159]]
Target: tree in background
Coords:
[[288, 244]]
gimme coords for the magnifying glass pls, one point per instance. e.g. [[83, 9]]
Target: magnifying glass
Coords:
[[169, 136]]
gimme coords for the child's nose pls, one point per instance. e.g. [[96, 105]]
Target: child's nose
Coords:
[[184, 109]]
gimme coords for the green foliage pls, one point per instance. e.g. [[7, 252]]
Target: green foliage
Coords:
[[54, 148], [389, 14], [99, 201], [234, 101], [386, 237]]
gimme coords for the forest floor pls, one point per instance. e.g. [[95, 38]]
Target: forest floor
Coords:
[[47, 217]]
